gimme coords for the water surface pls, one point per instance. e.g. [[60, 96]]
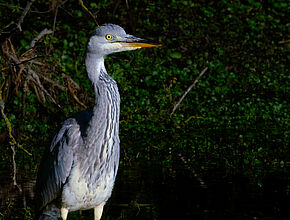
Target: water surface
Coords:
[[150, 191]]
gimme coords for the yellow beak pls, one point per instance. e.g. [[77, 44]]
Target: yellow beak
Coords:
[[136, 44]]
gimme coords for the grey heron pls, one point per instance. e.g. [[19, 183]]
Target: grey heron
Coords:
[[79, 168]]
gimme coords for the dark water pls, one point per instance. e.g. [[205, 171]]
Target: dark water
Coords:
[[180, 194], [150, 191]]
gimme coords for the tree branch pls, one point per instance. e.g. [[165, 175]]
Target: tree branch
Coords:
[[88, 11], [12, 141], [24, 13], [187, 91], [37, 38]]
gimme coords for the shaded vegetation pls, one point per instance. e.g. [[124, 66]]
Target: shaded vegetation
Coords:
[[235, 119]]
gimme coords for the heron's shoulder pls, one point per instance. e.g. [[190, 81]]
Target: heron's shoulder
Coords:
[[72, 129], [82, 119], [79, 121]]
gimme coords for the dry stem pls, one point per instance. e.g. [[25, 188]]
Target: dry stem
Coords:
[[88, 11], [187, 91], [20, 20], [43, 32]]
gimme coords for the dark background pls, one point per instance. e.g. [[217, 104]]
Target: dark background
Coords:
[[231, 131]]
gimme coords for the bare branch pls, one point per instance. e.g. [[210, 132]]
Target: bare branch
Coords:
[[187, 91], [43, 32], [36, 80], [14, 164], [72, 86], [32, 75], [12, 141], [53, 83], [88, 11], [54, 19], [25, 88], [71, 81], [20, 20], [74, 95], [284, 42]]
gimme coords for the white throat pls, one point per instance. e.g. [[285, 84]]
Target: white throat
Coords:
[[94, 65]]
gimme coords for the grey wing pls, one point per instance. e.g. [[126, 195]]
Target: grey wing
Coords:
[[56, 164]]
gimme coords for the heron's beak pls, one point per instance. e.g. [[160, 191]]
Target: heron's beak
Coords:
[[132, 41], [137, 44]]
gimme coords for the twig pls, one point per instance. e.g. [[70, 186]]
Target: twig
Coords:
[[30, 74], [43, 32], [70, 80], [12, 141], [74, 95], [9, 126], [26, 60], [25, 88], [40, 86], [33, 76], [87, 10], [54, 19], [284, 42], [20, 20], [14, 164], [7, 30], [53, 83], [127, 4], [36, 80], [72, 86], [59, 4], [10, 6], [187, 91], [200, 180]]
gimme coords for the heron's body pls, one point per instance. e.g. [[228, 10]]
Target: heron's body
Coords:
[[79, 169]]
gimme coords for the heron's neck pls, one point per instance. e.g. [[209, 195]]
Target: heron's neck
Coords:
[[105, 120], [95, 66], [102, 141]]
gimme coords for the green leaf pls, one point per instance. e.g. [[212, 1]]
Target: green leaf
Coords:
[[175, 55]]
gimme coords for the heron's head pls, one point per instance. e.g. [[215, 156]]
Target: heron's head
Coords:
[[111, 38]]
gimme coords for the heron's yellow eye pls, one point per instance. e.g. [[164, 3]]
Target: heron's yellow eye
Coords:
[[109, 37]]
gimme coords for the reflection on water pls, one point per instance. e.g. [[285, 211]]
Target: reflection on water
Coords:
[[153, 192]]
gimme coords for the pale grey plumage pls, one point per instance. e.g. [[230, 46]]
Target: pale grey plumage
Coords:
[[79, 169]]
